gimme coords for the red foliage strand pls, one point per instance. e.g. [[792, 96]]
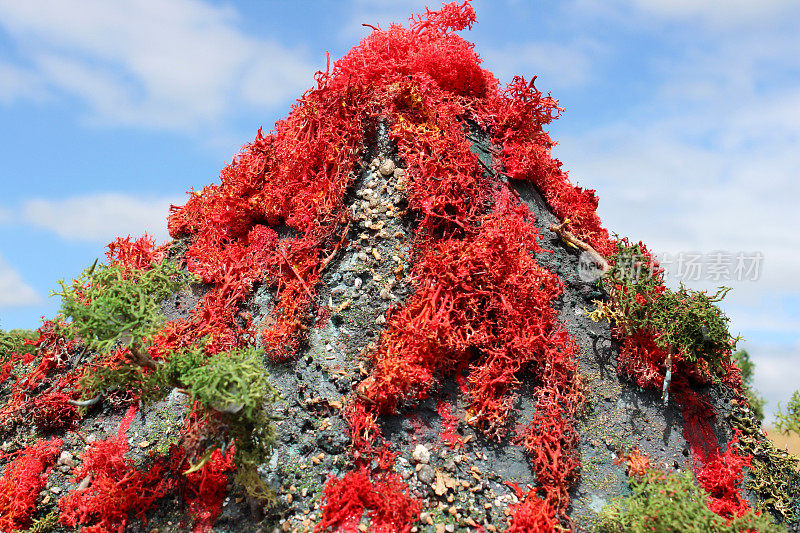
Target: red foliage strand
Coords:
[[138, 254], [117, 487], [204, 490], [21, 482], [721, 477], [384, 497], [449, 425]]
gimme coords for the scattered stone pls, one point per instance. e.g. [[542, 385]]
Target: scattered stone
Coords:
[[387, 167], [426, 474], [421, 454], [66, 459]]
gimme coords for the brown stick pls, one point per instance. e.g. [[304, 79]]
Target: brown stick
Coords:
[[141, 357], [324, 264], [570, 237]]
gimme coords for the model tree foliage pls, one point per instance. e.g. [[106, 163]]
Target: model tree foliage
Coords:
[[114, 305], [686, 322], [789, 421]]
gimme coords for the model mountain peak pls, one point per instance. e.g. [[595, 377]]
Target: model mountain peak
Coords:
[[394, 312]]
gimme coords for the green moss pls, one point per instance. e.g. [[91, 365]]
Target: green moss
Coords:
[[13, 341], [673, 503], [686, 321], [111, 304], [45, 524]]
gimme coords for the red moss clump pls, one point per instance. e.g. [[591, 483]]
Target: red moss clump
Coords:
[[204, 490], [22, 481], [117, 487], [53, 412], [641, 359], [139, 254], [482, 294], [533, 514], [383, 497], [42, 388], [521, 113], [721, 478]]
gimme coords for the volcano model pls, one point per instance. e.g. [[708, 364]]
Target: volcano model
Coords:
[[395, 312]]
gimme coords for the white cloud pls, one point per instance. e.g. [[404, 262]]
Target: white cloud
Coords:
[[716, 12], [17, 84], [775, 376], [100, 217], [557, 65], [14, 292], [176, 65]]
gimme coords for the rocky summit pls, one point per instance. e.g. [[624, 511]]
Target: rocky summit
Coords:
[[394, 312]]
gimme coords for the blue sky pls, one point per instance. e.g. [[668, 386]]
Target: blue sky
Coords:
[[683, 114]]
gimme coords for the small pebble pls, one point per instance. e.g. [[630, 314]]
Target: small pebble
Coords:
[[66, 459], [426, 474], [387, 167], [421, 454]]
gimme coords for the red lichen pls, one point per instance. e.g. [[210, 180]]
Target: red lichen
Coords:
[[53, 412], [383, 497], [139, 254], [204, 490], [721, 478], [449, 426], [118, 488], [22, 481], [43, 381]]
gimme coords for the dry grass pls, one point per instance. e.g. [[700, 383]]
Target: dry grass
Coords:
[[789, 442]]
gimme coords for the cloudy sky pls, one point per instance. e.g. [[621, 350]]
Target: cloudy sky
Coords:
[[683, 114]]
